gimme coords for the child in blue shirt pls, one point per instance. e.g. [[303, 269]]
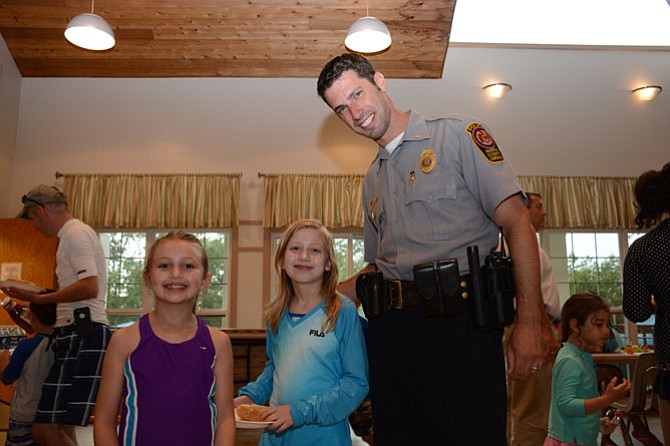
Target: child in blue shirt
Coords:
[[316, 374], [576, 403], [28, 366]]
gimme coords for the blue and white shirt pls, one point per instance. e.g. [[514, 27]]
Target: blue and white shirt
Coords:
[[323, 376]]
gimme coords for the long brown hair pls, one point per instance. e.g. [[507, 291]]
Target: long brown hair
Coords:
[[279, 305]]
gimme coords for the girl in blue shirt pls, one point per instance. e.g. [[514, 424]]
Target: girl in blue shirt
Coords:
[[316, 374], [575, 400]]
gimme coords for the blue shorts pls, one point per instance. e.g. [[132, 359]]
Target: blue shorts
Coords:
[[70, 390]]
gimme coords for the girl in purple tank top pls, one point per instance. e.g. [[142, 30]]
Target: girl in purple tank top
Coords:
[[171, 374]]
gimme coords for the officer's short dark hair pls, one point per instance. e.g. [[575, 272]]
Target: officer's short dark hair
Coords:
[[338, 65]]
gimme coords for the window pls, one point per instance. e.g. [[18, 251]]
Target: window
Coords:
[[588, 261], [349, 253], [128, 299], [591, 261]]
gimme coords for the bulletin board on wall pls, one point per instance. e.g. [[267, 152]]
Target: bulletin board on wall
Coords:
[[28, 253]]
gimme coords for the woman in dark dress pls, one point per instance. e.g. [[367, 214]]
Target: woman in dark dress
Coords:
[[646, 276]]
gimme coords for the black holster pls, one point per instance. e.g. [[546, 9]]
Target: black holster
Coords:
[[370, 290], [493, 287], [499, 273], [478, 286], [439, 284]]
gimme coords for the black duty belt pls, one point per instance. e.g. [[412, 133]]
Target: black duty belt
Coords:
[[404, 293]]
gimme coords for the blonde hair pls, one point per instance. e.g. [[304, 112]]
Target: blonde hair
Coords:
[[279, 305]]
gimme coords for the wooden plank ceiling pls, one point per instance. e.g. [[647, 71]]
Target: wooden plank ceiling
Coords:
[[223, 38]]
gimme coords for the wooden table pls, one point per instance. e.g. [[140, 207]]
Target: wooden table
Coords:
[[615, 358], [248, 353], [246, 336]]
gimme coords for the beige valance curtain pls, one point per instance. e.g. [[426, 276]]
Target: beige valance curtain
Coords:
[[154, 200], [573, 202], [585, 202], [335, 200]]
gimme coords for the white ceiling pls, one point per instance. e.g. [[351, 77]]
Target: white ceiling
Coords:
[[564, 22], [571, 112]]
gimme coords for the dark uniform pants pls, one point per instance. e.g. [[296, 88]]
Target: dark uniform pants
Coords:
[[436, 380]]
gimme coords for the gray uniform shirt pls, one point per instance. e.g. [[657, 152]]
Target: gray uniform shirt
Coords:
[[435, 195]]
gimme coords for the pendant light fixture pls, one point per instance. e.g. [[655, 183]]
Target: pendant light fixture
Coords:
[[497, 90], [90, 31], [368, 35], [648, 92]]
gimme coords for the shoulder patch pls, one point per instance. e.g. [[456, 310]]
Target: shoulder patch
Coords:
[[485, 143]]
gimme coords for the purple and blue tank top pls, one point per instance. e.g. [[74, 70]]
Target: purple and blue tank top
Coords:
[[168, 391]]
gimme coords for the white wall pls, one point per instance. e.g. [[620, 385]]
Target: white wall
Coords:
[[570, 113], [10, 90]]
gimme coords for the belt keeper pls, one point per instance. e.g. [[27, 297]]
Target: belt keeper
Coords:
[[395, 294]]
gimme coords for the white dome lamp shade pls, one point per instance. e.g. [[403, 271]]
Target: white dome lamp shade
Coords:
[[497, 90], [90, 31], [648, 92], [368, 35]]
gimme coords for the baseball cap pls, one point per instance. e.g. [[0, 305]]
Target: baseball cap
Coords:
[[40, 196]]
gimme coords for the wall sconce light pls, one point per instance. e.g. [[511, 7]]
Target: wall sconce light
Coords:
[[497, 90], [648, 92], [90, 31], [368, 35]]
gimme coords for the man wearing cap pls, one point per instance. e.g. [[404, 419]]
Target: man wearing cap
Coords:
[[82, 329]]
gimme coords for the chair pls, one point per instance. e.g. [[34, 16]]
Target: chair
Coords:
[[641, 401]]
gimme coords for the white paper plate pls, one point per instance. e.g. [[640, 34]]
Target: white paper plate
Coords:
[[20, 286], [252, 424]]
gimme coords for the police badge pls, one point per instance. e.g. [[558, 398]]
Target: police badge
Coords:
[[427, 161]]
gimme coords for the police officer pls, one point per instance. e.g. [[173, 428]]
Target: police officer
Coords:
[[436, 187]]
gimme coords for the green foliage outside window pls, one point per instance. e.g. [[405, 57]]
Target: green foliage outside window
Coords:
[[125, 252], [344, 254], [216, 246], [601, 276]]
